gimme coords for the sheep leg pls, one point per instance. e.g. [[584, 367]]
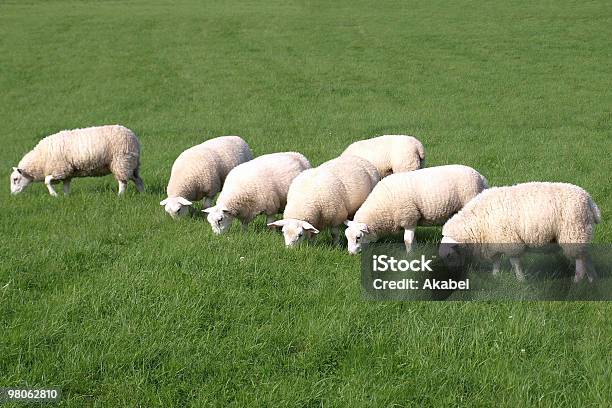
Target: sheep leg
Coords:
[[496, 267], [590, 269], [584, 266], [48, 180], [67, 187], [207, 202], [518, 271], [409, 238], [122, 187], [580, 270], [335, 232], [245, 225]]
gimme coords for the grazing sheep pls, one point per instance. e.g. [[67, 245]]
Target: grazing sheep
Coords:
[[88, 152], [325, 197], [259, 186], [510, 219], [390, 153], [199, 172], [422, 197]]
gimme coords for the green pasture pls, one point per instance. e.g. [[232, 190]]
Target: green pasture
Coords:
[[115, 304]]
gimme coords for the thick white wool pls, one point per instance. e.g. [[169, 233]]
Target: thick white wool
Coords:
[[200, 171], [329, 194], [260, 186], [534, 214], [422, 197], [390, 153], [93, 151]]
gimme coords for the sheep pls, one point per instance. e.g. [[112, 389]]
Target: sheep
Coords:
[[259, 186], [509, 219], [404, 200], [390, 153], [88, 152], [325, 197], [198, 173]]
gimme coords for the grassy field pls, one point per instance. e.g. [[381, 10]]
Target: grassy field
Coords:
[[117, 305]]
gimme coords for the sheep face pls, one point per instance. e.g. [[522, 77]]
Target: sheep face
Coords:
[[358, 236], [19, 181], [294, 231], [447, 248], [220, 218], [177, 207]]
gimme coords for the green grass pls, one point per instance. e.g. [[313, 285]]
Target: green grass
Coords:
[[117, 305]]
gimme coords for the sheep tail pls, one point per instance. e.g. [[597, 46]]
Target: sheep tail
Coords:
[[421, 151], [485, 182], [595, 211]]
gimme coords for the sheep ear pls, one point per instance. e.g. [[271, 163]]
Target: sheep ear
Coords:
[[447, 247], [277, 224], [208, 210], [448, 240], [163, 202], [362, 227], [309, 227], [184, 201]]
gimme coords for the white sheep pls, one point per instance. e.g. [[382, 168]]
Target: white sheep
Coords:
[[198, 173], [510, 219], [93, 151], [404, 200], [259, 186], [325, 197], [390, 153]]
